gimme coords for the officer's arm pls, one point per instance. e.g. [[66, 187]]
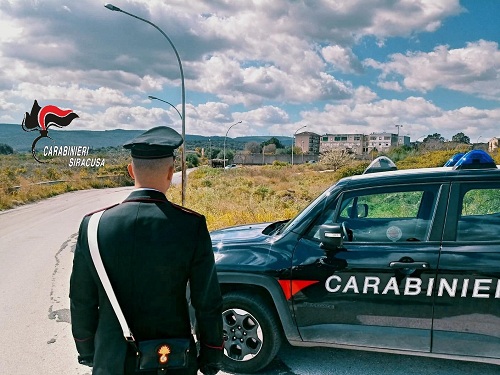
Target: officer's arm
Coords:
[[207, 302], [84, 300]]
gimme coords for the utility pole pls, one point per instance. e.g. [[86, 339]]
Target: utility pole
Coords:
[[398, 126]]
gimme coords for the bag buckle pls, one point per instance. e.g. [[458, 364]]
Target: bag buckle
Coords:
[[130, 338]]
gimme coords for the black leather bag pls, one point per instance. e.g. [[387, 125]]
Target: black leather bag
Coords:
[[163, 354]]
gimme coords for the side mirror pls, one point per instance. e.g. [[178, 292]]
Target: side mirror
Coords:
[[358, 211], [362, 210], [331, 236]]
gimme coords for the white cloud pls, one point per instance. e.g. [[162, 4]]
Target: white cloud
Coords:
[[342, 59], [417, 115], [246, 61], [474, 69]]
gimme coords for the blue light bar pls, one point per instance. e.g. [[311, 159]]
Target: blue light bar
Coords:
[[453, 160], [476, 159]]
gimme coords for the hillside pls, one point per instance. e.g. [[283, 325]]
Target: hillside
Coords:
[[14, 136]]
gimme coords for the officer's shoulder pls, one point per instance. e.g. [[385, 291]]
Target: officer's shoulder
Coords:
[[186, 210], [101, 209]]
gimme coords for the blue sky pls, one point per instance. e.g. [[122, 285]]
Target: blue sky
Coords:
[[432, 66]]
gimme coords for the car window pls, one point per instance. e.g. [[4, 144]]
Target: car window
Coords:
[[479, 218], [388, 214]]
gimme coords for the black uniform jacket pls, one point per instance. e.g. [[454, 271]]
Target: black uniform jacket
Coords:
[[151, 249]]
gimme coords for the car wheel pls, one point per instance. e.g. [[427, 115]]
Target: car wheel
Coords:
[[252, 336]]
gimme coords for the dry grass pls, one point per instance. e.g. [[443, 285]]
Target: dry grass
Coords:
[[22, 180], [237, 196], [251, 194]]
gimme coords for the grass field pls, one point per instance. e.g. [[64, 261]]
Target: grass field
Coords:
[[242, 195]]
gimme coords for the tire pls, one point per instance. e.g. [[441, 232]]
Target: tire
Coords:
[[252, 336]]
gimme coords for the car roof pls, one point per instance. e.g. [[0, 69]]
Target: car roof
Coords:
[[420, 175]]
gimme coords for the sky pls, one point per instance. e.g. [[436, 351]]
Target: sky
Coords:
[[279, 67]]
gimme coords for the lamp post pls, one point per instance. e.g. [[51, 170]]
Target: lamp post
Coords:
[[293, 138], [183, 94], [209, 152], [302, 152], [475, 144], [164, 101], [239, 122]]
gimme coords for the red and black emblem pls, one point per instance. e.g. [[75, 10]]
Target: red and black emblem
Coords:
[[42, 118]]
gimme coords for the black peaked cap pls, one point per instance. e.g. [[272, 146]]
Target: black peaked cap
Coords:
[[156, 143]]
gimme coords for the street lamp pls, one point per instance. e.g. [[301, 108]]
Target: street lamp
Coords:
[[302, 152], [209, 151], [183, 115], [164, 101], [293, 138], [239, 122]]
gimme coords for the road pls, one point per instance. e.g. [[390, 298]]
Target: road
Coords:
[[36, 252]]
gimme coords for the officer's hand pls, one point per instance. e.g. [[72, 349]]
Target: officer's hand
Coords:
[[86, 360]]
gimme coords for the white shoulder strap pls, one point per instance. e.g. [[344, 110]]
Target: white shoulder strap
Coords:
[[101, 271]]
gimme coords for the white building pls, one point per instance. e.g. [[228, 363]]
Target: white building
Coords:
[[493, 144], [360, 144]]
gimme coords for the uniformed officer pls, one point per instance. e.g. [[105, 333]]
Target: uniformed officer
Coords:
[[151, 248]]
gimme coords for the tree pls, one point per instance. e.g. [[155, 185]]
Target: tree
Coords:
[[229, 155], [6, 149], [436, 137], [269, 149], [433, 142], [192, 160], [213, 153], [461, 138], [284, 151], [274, 141], [253, 147], [335, 159]]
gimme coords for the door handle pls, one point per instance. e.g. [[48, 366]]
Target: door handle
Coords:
[[413, 265]]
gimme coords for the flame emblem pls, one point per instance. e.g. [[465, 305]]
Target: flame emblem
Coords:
[[42, 118], [163, 352]]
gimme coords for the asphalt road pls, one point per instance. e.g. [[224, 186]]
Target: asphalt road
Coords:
[[36, 252]]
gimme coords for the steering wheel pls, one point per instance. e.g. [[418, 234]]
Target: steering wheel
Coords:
[[346, 233]]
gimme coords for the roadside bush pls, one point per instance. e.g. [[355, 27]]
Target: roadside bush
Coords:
[[351, 170], [5, 149]]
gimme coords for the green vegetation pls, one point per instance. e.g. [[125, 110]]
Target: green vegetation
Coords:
[[237, 196]]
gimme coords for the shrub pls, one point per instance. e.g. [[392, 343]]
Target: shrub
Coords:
[[5, 149]]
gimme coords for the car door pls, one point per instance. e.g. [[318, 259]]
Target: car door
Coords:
[[374, 291], [467, 296]]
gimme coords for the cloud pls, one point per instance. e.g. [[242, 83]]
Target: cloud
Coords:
[[256, 61], [342, 59], [417, 115], [474, 69]]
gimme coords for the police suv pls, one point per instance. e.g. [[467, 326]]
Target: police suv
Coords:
[[404, 261]]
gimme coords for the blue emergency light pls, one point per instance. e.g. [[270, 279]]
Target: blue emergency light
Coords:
[[453, 160], [475, 159]]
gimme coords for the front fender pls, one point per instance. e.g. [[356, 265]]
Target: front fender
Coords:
[[275, 292]]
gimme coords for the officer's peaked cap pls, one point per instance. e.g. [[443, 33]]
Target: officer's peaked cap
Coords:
[[156, 143]]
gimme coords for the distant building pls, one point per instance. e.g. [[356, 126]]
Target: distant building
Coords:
[[493, 144], [355, 143], [404, 140], [308, 142], [362, 144]]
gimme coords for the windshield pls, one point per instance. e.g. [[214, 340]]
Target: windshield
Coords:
[[302, 220]]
